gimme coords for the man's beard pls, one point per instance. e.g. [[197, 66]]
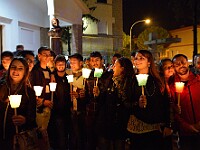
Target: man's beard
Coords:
[[61, 70], [183, 71]]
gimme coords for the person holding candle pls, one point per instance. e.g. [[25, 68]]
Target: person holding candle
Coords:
[[60, 116], [114, 106], [166, 70], [79, 98], [92, 107], [149, 110], [188, 119], [41, 76], [16, 84]]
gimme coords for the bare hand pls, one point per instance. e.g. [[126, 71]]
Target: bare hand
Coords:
[[53, 78], [48, 103], [193, 129], [197, 126], [167, 132], [178, 109], [7, 100], [74, 94], [96, 91], [82, 93], [143, 101], [18, 120], [39, 101]]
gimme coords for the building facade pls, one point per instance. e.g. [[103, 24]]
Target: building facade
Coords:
[[186, 45], [106, 35]]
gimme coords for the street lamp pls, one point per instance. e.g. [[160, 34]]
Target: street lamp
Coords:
[[147, 21]]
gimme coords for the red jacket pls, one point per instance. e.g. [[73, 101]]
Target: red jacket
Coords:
[[189, 102]]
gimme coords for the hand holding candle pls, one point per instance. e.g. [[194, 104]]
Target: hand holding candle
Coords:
[[179, 89], [142, 80], [15, 101]]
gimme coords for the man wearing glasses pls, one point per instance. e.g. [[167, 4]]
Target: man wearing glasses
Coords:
[[41, 77]]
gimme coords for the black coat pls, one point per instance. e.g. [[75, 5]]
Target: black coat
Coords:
[[157, 109], [113, 111], [27, 109]]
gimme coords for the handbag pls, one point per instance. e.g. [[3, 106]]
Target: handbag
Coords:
[[26, 140]]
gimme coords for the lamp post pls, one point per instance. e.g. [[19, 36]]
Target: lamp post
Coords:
[[147, 21]]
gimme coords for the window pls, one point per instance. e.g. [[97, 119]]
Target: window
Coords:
[[101, 1]]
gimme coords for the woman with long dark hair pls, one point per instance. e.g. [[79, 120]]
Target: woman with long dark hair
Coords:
[[114, 101], [150, 109], [166, 70], [16, 84]]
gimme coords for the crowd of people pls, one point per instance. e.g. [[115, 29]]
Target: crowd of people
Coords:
[[111, 111]]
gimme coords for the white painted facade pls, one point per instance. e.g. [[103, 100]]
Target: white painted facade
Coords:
[[21, 20]]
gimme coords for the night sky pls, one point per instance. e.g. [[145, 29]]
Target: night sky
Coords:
[[158, 11]]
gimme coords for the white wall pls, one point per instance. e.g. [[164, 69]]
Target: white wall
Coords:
[[22, 19], [24, 16]]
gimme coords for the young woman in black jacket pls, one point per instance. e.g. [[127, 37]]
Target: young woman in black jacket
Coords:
[[16, 84], [149, 110], [113, 113]]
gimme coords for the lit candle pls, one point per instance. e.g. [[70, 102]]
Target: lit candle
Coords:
[[179, 89], [52, 89], [15, 101], [38, 90], [142, 80], [97, 74], [86, 73], [52, 86], [70, 78]]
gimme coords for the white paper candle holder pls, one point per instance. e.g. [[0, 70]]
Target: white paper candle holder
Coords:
[[15, 100], [86, 73], [70, 78], [52, 86], [38, 90]]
